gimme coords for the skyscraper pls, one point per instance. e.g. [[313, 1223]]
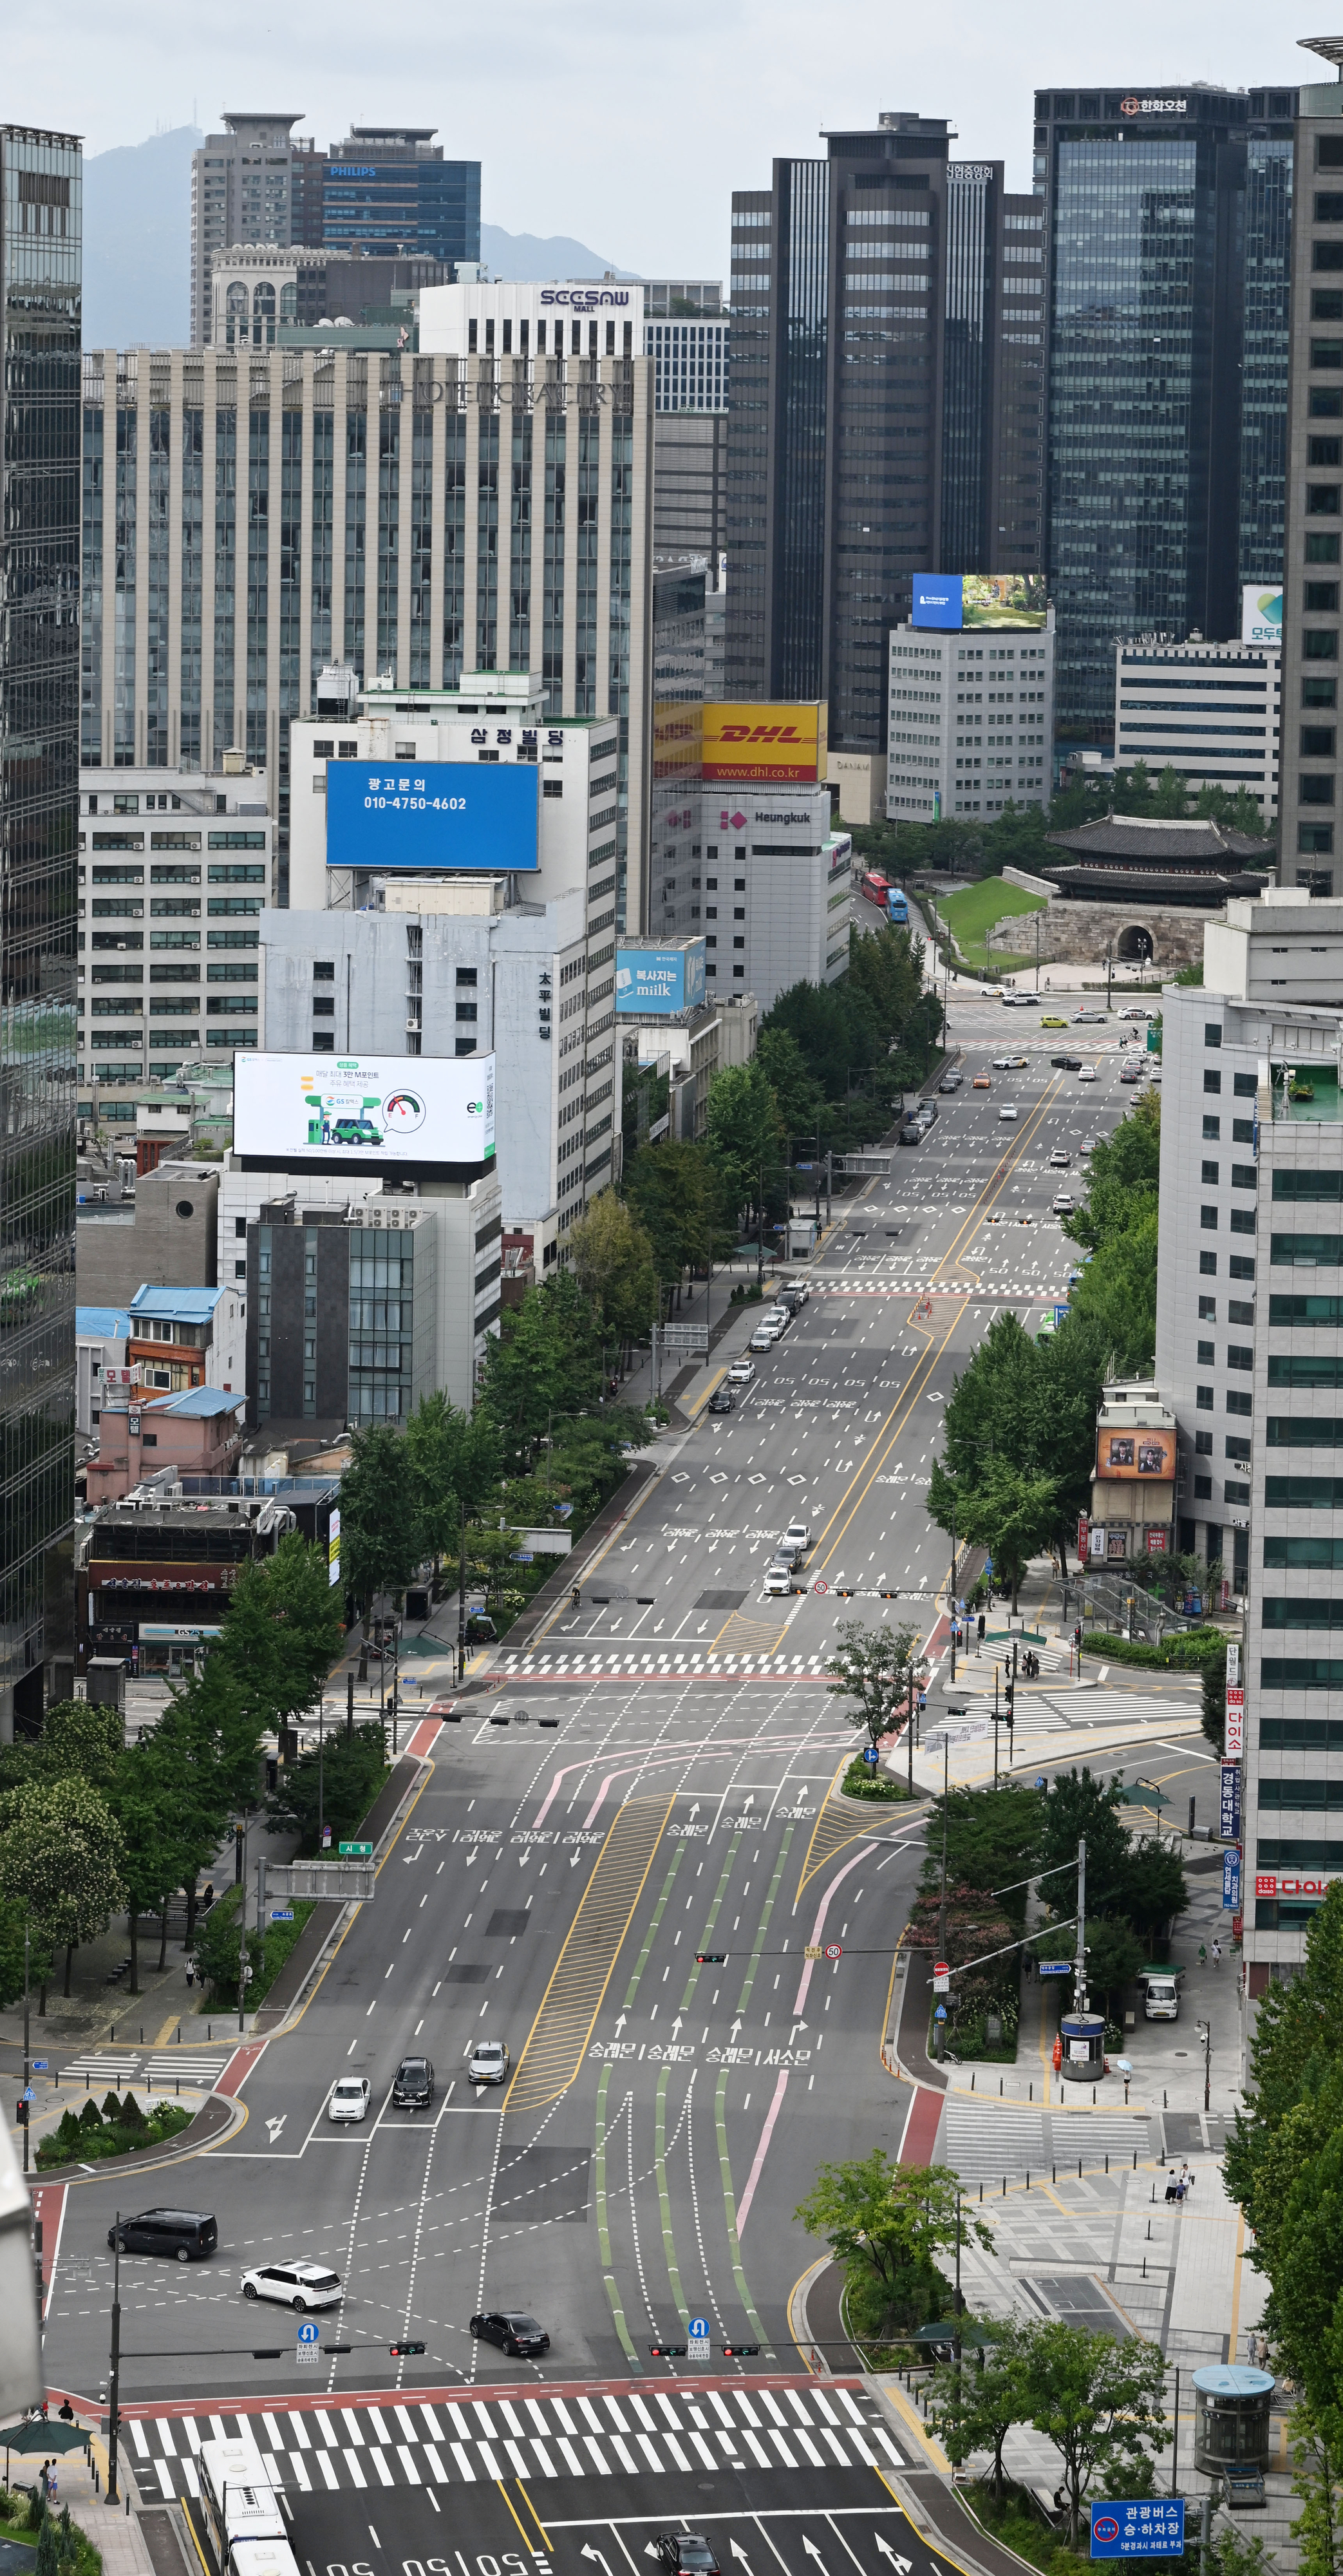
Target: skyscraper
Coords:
[[40, 208], [1167, 219], [1311, 571]]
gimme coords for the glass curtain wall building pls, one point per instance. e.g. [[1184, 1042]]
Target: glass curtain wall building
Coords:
[[972, 187], [40, 217], [777, 435], [1167, 220]]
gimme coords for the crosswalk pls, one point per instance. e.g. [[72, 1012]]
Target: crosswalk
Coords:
[[616, 1666], [1018, 2142], [460, 2440], [1017, 1292], [154, 2071]]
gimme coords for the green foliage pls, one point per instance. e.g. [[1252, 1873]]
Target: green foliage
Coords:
[[1318, 2483], [353, 1769], [799, 1097], [62, 1854], [974, 2408], [1117, 1291], [861, 1780], [1021, 1418], [886, 2224], [379, 1521], [546, 1361], [76, 2141], [283, 1630], [744, 1134], [1184, 1650], [612, 1257], [993, 1837], [1079, 1804], [1100, 2402], [872, 1671], [13, 1915], [217, 1952], [1114, 1955], [1212, 1716], [973, 915], [1011, 1511], [453, 1462], [682, 1202]]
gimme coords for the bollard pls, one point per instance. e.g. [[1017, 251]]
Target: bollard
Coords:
[[1093, 2097], [1107, 2164], [1079, 2168], [1164, 2104], [1028, 2177], [1030, 2092], [1000, 2088], [1135, 2159], [981, 2195], [1053, 2173], [1149, 2231], [1004, 2186], [972, 2080]]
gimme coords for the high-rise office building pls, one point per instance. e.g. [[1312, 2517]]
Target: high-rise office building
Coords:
[[886, 414], [1314, 535], [385, 191], [40, 214], [1167, 223], [686, 336]]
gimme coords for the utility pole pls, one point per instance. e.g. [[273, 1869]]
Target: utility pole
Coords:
[[829, 1179], [995, 1726], [942, 1900], [321, 1734], [960, 2303], [242, 1929], [1081, 1976], [114, 2366], [349, 1708], [27, 2067], [951, 1590], [461, 1585], [1205, 2034]]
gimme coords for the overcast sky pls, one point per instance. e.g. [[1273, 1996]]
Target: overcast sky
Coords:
[[627, 127]]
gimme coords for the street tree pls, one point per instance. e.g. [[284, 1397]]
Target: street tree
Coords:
[[798, 1096], [1010, 1511], [872, 1670], [157, 1847], [744, 1133], [544, 1362], [678, 1194], [61, 1853], [993, 1836], [612, 1257], [1101, 2403], [282, 1631], [379, 1523], [888, 2223], [1114, 1956], [975, 2410], [1078, 1804], [453, 1462], [1152, 1888]]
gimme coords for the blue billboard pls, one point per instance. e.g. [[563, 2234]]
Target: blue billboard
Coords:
[[1149, 2527], [660, 980], [937, 599], [431, 814]]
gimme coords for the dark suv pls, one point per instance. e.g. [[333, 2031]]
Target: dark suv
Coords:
[[686, 2553], [413, 2085], [183, 2235]]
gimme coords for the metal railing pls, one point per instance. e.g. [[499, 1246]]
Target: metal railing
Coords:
[[1125, 1608]]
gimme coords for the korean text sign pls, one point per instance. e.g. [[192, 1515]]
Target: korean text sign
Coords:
[[432, 814], [1150, 2527]]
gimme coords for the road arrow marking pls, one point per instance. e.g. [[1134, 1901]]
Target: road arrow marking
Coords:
[[587, 2551], [903, 2566], [620, 2024], [739, 2552], [275, 2126], [676, 2027], [813, 2552], [735, 2028]]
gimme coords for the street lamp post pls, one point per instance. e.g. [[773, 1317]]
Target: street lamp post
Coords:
[[114, 2366]]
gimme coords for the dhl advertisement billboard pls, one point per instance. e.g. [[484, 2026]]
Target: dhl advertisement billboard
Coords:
[[766, 745]]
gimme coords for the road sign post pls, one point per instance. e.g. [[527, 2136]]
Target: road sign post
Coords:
[[308, 2348], [1147, 2527], [355, 1851], [697, 2339]]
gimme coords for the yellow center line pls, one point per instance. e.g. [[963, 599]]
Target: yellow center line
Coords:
[[994, 1189], [864, 1477]]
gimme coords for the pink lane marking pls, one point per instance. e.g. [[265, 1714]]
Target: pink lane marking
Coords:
[[821, 1911], [424, 1735], [49, 2210], [762, 2150], [239, 2067], [920, 2135]]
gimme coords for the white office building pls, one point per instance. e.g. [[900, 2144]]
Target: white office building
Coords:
[[174, 872], [970, 722], [1210, 712], [775, 901]]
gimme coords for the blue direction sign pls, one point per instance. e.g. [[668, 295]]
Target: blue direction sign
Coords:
[[1056, 1967], [870, 1756], [1229, 1817], [1149, 2527], [697, 2339], [282, 1914], [39, 2066], [941, 2013], [1040, 1780], [28, 2093], [309, 2341], [1231, 1882]]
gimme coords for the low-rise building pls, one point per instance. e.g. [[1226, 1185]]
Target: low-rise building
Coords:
[[1133, 1489], [101, 1336], [182, 1338], [195, 1433], [154, 1573], [161, 1232], [1210, 712]]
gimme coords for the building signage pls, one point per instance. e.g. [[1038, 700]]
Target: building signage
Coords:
[[152, 1633], [1229, 1814], [1235, 1722], [995, 601], [1269, 1885], [365, 170], [937, 600], [1261, 614], [432, 814], [1231, 1882], [660, 980], [1083, 1547], [1157, 1540], [299, 1112], [1150, 2527], [771, 743], [1153, 107], [1124, 1454], [585, 299], [333, 1548]]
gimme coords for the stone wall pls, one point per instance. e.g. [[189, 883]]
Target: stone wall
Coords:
[[1078, 934]]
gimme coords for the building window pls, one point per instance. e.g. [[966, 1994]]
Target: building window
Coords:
[[1207, 1217], [1203, 1443], [1203, 1398], [1203, 1489], [1239, 1400], [324, 1041], [1317, 839], [1212, 1033], [1212, 1081], [1207, 1264], [1315, 787], [1242, 1265], [1210, 1172]]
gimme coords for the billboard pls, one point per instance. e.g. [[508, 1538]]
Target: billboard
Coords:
[[431, 814], [985, 602], [1124, 1454], [768, 743], [663, 980], [351, 1113], [1261, 614]]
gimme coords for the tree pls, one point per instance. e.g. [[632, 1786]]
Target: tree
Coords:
[[353, 1768], [612, 1258], [871, 1668], [453, 1461], [1152, 1888], [1213, 1716], [283, 1629], [887, 2223], [992, 1837], [1318, 2482], [545, 1361], [1114, 1956], [975, 2410], [158, 1849], [744, 1133], [1079, 1804], [798, 1096], [1009, 1510], [1101, 2404], [61, 1854], [379, 1526]]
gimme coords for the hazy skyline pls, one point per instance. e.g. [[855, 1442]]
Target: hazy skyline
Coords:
[[630, 134]]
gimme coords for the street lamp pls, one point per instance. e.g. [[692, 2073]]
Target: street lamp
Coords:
[[1204, 2029]]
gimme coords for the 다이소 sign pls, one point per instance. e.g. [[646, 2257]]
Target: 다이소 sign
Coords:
[[1147, 2527]]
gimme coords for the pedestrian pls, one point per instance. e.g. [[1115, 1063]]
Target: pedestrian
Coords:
[[1180, 2189], [67, 2412], [191, 1973], [1216, 1954], [1202, 1954], [1171, 2186], [576, 1597], [1189, 2177]]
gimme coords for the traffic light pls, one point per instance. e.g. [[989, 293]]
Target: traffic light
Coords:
[[740, 2351], [398, 2349], [668, 2351], [21, 2114], [1077, 1636], [710, 1958], [1009, 1697]]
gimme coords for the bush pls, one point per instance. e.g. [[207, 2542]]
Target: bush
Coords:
[[861, 1782], [1186, 1652], [73, 2143], [217, 1953]]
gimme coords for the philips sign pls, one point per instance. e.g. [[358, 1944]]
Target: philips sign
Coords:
[[367, 172]]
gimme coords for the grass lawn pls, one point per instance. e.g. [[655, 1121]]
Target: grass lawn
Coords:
[[976, 909]]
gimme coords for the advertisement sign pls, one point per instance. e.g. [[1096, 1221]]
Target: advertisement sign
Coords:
[[350, 1111], [1235, 1722], [1082, 1538], [1124, 1454], [1231, 1882], [1267, 1884], [770, 743], [1157, 1540], [663, 980], [154, 1633], [996, 602], [432, 814], [1233, 1662], [1097, 1537], [937, 599], [1261, 614], [1150, 2527], [1229, 1808], [333, 1549]]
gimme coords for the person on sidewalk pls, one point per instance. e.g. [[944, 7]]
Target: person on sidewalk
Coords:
[[1171, 2186], [1216, 1954]]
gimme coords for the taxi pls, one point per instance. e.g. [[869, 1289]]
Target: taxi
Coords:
[[1053, 1022]]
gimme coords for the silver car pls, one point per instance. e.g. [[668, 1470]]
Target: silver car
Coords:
[[489, 2062]]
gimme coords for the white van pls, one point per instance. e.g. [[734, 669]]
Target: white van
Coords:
[[1161, 1999]]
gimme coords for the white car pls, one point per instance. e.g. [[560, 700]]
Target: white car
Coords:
[[1060, 1159], [764, 1337], [349, 2098], [1088, 1145], [1134, 1013], [1087, 1074], [300, 2286], [1007, 1117], [741, 1373], [1008, 1063], [798, 1534], [779, 1580], [779, 1315], [1063, 1205], [489, 2062]]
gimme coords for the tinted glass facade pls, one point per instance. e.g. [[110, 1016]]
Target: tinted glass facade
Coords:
[[1263, 419], [803, 308], [40, 211], [384, 193], [966, 415]]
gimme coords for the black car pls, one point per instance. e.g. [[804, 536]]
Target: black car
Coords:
[[183, 2235], [516, 2334], [413, 2084], [687, 2551], [1067, 1063], [722, 1400]]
